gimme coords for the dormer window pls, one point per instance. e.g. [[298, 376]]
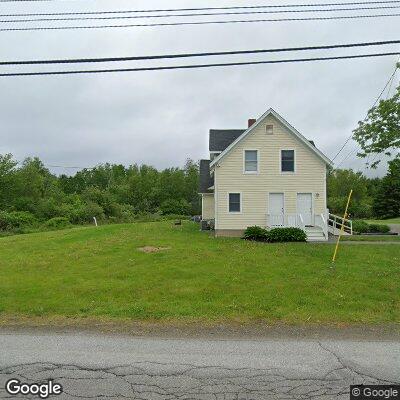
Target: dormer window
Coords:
[[269, 129], [250, 161]]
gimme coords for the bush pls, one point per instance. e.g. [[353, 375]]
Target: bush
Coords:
[[256, 233], [15, 220], [286, 235], [363, 227], [57, 223], [172, 206], [378, 228], [360, 226]]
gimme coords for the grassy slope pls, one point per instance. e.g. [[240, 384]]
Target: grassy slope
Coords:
[[384, 221], [99, 272]]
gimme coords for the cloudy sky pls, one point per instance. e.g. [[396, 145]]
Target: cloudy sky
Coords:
[[162, 118]]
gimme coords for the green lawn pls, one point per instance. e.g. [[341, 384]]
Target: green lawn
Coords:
[[99, 273], [384, 221], [371, 238]]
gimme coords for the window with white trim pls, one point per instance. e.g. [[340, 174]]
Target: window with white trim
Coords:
[[269, 129], [287, 160], [251, 161], [235, 202]]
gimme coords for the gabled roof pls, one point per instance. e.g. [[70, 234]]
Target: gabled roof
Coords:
[[291, 129], [220, 139], [206, 180]]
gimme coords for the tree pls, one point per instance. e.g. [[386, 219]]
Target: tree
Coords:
[[380, 131], [339, 184], [387, 200], [7, 171]]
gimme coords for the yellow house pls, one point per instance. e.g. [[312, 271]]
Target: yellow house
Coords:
[[268, 175]]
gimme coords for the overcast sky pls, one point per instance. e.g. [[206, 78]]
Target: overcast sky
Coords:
[[162, 118]]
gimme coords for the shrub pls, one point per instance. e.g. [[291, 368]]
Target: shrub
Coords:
[[360, 226], [378, 228], [172, 206], [57, 223], [286, 235], [16, 220], [256, 233]]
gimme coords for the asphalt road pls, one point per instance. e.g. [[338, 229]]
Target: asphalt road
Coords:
[[94, 366]]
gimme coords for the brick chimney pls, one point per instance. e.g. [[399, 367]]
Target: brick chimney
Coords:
[[251, 122]]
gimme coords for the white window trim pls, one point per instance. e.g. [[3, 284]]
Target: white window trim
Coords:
[[280, 162], [241, 202], [244, 162]]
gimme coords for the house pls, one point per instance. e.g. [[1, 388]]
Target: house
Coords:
[[268, 175]]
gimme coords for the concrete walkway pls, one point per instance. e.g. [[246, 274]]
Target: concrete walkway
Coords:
[[395, 228]]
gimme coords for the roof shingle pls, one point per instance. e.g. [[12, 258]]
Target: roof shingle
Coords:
[[206, 180], [220, 139]]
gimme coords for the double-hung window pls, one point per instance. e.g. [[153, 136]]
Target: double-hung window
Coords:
[[287, 161], [250, 161], [235, 203]]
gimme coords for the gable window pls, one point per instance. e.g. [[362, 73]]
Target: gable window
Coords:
[[287, 160], [269, 129], [250, 161], [235, 202]]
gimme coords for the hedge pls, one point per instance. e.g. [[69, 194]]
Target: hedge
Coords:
[[258, 234]]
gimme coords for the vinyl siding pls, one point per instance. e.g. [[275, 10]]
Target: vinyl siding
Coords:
[[309, 177], [208, 206]]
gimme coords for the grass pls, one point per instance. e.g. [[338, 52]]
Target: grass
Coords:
[[384, 221], [99, 273], [371, 238]]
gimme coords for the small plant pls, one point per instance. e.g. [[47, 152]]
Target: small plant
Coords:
[[256, 233], [286, 235], [57, 223]]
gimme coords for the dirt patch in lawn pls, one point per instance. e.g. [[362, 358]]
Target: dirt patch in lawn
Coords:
[[152, 249]]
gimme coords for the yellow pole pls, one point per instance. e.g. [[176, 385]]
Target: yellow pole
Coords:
[[342, 227]]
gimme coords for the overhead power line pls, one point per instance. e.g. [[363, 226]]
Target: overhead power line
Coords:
[[201, 8], [188, 55], [196, 66], [281, 11], [347, 17], [350, 137]]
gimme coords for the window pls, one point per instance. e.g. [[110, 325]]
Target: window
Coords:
[[251, 161], [234, 202], [269, 129], [287, 160]]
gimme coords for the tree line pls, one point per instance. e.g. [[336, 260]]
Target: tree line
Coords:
[[372, 197], [108, 192], [30, 193]]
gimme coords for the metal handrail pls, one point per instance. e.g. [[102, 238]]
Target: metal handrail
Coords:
[[345, 223]]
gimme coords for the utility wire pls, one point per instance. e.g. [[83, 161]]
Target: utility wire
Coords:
[[82, 18], [349, 138], [187, 55], [38, 28], [196, 66], [202, 8]]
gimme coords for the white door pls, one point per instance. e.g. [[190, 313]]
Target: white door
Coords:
[[305, 208], [276, 209]]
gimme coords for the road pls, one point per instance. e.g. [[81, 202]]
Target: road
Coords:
[[94, 366]]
